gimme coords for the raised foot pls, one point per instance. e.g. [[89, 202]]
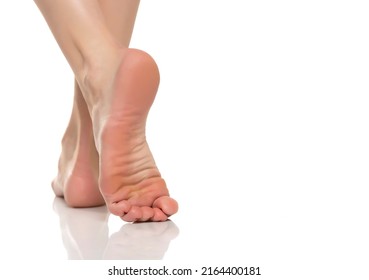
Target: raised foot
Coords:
[[145, 201], [130, 181]]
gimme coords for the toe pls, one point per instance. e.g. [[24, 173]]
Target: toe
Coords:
[[134, 214], [167, 204], [120, 208], [159, 216], [147, 213]]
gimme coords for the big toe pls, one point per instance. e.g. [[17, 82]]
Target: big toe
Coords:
[[168, 205]]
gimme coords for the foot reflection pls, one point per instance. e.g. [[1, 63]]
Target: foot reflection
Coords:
[[141, 241], [85, 235]]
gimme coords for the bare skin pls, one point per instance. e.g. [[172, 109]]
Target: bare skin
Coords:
[[118, 85], [78, 169], [77, 179]]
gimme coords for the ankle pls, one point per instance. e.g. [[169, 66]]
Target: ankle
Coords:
[[98, 75]]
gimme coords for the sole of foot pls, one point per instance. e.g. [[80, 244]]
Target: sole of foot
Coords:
[[130, 181]]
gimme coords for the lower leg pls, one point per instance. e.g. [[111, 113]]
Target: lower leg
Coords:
[[78, 165], [120, 18], [119, 86]]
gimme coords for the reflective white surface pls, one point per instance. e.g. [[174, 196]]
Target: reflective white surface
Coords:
[[261, 129], [85, 235]]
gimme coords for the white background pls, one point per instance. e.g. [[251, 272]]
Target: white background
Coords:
[[260, 128]]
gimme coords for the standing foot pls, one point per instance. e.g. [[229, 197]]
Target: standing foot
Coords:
[[77, 179]]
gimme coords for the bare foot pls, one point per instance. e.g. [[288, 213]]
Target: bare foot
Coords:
[[77, 180], [129, 179]]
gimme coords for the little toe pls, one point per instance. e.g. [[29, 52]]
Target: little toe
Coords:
[[120, 208]]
